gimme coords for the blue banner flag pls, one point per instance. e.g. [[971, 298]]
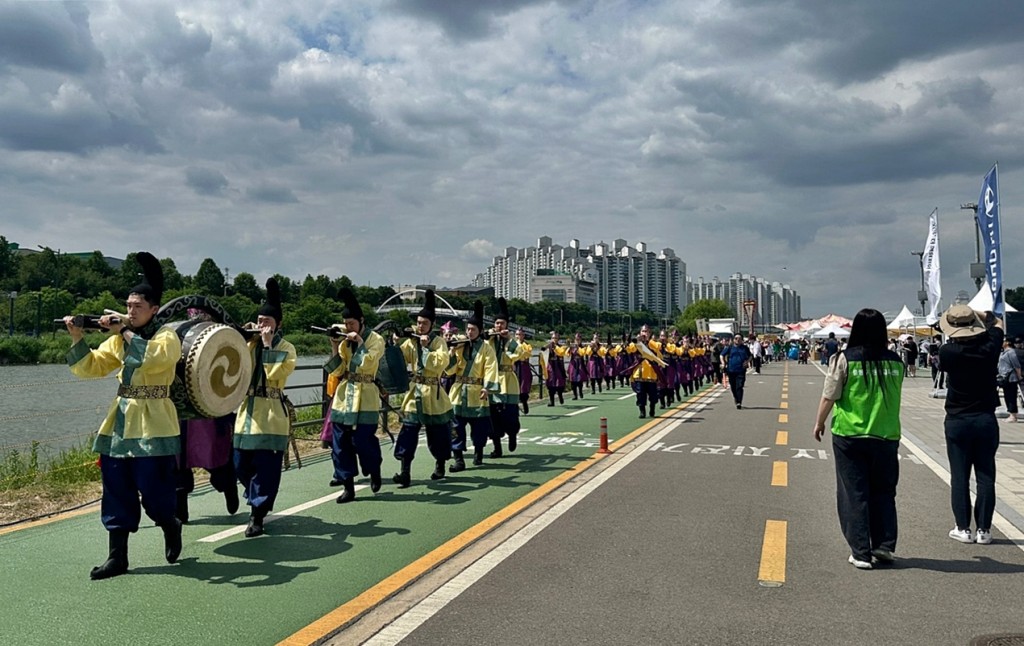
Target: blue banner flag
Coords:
[[988, 222]]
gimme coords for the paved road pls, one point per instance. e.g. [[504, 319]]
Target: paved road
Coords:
[[719, 527]]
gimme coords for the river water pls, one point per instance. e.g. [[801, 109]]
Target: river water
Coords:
[[47, 404]]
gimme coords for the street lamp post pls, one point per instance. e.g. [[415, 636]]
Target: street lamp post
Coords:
[[12, 296], [922, 294], [977, 267]]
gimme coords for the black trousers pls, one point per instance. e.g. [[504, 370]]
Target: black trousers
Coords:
[[1010, 391], [971, 443], [736, 382], [867, 470]]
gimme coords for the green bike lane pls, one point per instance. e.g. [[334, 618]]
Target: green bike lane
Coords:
[[227, 589]]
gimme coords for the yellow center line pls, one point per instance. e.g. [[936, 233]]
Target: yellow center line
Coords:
[[773, 553], [780, 473], [784, 405], [374, 596], [782, 438], [783, 418], [785, 395]]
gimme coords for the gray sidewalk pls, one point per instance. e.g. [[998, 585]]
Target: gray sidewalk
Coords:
[[922, 430]]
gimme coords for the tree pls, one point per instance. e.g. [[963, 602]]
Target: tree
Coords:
[[289, 292], [320, 286], [209, 280], [1013, 297], [129, 276], [172, 277], [8, 265], [246, 285], [708, 308], [314, 310]]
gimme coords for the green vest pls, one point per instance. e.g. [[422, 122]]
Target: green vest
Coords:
[[862, 411]]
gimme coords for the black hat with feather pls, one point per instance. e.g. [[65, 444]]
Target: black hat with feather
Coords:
[[502, 314], [350, 304], [152, 286], [477, 318], [429, 310], [272, 306]]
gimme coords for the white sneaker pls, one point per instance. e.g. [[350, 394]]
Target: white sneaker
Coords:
[[859, 564], [962, 535], [984, 537], [883, 555]]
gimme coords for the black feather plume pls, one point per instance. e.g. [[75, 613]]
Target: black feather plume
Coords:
[[153, 276]]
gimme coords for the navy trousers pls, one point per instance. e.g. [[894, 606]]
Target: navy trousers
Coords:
[[480, 430], [125, 479], [439, 441], [259, 472], [349, 442], [971, 444], [736, 382], [504, 420]]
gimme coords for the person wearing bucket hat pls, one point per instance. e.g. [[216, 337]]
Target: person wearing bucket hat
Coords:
[[969, 360], [355, 407], [263, 422], [426, 404], [476, 381], [139, 440]]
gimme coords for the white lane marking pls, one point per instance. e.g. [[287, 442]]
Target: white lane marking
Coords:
[[291, 511], [416, 616], [629, 396], [582, 410]]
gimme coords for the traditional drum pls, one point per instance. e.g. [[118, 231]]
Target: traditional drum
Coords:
[[212, 376]]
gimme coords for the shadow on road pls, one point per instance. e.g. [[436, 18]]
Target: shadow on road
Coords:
[[980, 565]]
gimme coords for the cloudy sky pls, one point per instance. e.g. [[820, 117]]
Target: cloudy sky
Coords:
[[411, 140]]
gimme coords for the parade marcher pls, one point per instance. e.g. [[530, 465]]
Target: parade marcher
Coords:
[[426, 404], [863, 388], [523, 371], [355, 407], [667, 375], [736, 360], [577, 367], [552, 364], [449, 332], [263, 422], [610, 359], [969, 359], [138, 441], [505, 402], [595, 364], [716, 360], [644, 374], [476, 381], [206, 444]]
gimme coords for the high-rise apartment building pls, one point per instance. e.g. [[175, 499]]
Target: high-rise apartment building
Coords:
[[627, 278], [775, 302]]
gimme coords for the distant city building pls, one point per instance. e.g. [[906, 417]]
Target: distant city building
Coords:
[[621, 277], [775, 302]]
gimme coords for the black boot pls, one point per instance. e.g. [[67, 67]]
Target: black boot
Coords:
[[349, 494], [643, 414], [551, 398], [496, 453], [460, 463], [172, 540], [231, 498], [181, 509], [526, 408], [402, 478], [255, 527], [478, 456], [335, 482], [561, 400], [375, 482], [438, 473], [513, 442], [117, 558], [652, 409]]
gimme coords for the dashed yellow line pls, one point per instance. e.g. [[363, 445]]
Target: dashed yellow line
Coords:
[[782, 438], [780, 473], [785, 395], [783, 418], [784, 405], [773, 553]]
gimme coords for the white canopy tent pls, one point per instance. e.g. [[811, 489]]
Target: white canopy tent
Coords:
[[903, 320], [831, 328], [982, 302]]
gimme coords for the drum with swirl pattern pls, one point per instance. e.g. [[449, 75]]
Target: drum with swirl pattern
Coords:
[[212, 376]]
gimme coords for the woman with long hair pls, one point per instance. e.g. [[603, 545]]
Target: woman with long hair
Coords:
[[863, 391]]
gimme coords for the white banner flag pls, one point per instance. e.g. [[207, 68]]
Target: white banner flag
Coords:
[[932, 280]]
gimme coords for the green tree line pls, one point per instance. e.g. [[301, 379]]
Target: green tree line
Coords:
[[50, 285]]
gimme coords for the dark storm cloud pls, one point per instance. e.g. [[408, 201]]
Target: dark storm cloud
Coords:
[[859, 41], [73, 131], [205, 181], [272, 193], [48, 36], [463, 19]]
